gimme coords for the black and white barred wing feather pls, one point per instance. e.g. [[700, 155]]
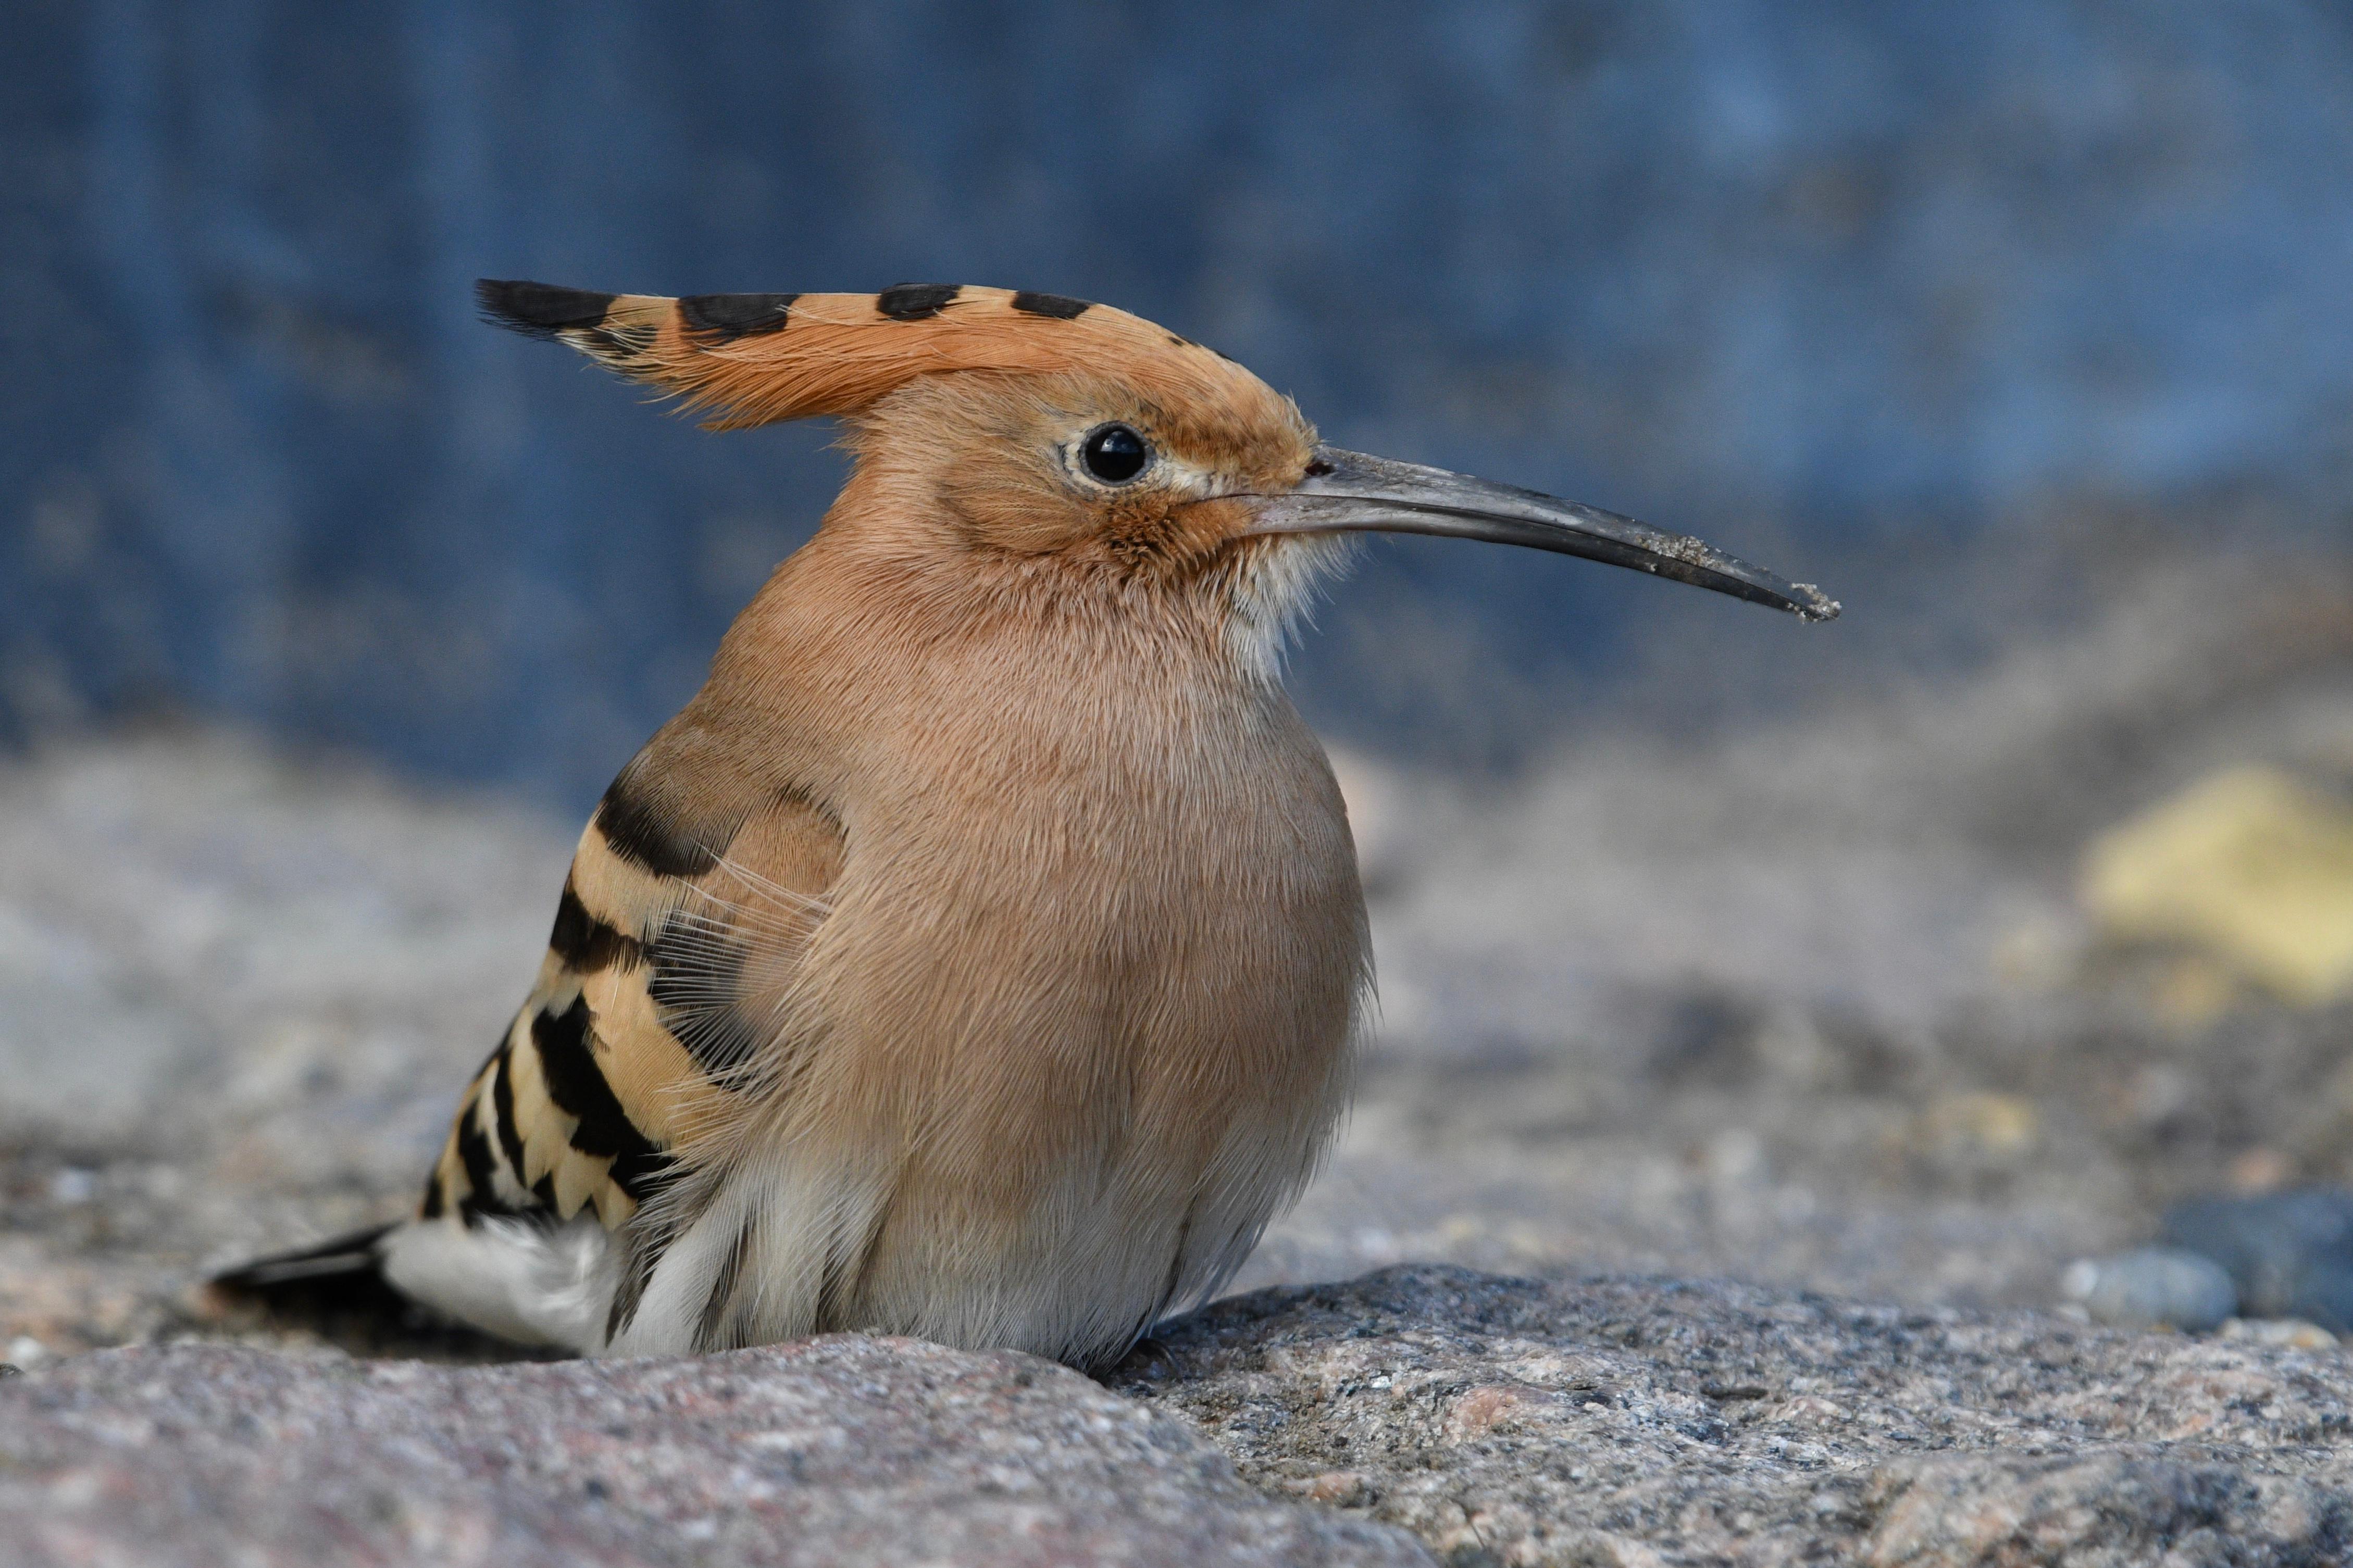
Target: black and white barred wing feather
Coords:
[[594, 1140]]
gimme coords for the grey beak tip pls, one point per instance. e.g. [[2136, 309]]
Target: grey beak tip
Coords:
[[1813, 604]]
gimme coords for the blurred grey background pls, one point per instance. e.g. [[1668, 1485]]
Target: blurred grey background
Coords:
[[1842, 287]]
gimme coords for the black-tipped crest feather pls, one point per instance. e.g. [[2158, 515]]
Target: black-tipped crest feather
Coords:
[[539, 309]]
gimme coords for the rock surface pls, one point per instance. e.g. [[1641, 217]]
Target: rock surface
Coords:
[[1418, 1411], [843, 1450], [1615, 1421]]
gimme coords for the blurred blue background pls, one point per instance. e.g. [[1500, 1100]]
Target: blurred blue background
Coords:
[[1864, 291]]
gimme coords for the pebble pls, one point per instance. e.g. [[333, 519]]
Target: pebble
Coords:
[[73, 1185], [1341, 1488], [2294, 1334], [2152, 1287], [2289, 1253]]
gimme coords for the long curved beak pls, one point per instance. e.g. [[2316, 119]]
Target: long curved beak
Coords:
[[1352, 492]]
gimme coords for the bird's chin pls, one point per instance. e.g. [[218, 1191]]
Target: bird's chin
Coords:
[[1275, 578]]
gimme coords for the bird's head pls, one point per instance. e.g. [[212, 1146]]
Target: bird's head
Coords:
[[1039, 428]]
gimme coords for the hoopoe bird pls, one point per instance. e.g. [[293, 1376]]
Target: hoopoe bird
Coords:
[[977, 956]]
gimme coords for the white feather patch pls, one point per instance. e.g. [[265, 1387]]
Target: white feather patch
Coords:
[[519, 1280], [1273, 595]]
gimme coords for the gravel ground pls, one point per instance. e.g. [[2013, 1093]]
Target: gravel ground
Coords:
[[1809, 1006]]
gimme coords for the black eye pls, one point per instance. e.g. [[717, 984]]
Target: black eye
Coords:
[[1113, 454]]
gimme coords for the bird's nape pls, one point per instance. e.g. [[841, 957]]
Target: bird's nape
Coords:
[[1353, 492]]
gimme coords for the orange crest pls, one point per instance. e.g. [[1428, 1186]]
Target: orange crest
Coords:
[[758, 358]]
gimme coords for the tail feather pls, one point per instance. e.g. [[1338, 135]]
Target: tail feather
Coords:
[[338, 1289], [356, 1256]]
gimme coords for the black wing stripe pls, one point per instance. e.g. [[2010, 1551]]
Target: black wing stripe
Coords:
[[474, 1153], [586, 943], [502, 1117], [578, 1087], [647, 829]]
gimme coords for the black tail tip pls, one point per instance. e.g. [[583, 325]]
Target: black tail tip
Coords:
[[358, 1254], [539, 309]]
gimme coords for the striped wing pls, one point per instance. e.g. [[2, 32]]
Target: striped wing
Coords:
[[680, 929]]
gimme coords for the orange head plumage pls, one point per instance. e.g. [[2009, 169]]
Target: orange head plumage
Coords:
[[1047, 425]]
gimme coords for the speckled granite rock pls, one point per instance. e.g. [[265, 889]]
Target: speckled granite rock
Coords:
[[1606, 1420], [839, 1451], [1638, 1421]]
